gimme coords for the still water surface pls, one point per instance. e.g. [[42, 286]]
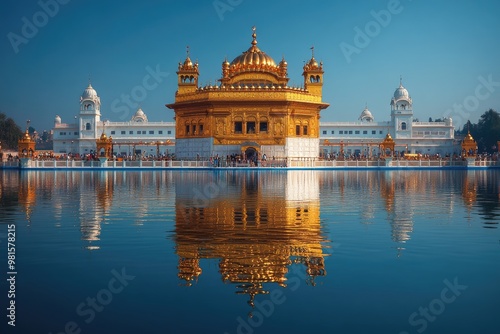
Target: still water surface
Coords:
[[253, 251]]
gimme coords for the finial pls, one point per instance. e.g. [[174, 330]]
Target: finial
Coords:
[[187, 51], [27, 125], [312, 51], [400, 80], [254, 35]]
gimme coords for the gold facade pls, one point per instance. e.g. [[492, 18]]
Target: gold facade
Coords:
[[252, 105]]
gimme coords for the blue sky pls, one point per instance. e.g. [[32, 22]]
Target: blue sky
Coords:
[[447, 52]]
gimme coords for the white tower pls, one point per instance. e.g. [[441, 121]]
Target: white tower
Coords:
[[90, 116], [401, 113]]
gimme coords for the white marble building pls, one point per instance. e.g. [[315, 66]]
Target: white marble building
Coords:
[[364, 135], [137, 135]]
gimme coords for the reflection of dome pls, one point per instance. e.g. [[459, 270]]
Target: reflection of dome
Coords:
[[89, 93], [253, 56], [57, 119], [366, 115]]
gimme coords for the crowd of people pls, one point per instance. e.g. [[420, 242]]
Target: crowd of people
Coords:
[[235, 160]]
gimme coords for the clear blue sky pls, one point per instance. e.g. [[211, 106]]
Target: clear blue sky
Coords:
[[440, 48]]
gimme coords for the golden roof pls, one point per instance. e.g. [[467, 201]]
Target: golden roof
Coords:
[[103, 136], [26, 137], [468, 137], [253, 56]]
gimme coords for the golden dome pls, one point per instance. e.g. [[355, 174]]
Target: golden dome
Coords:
[[103, 136], [253, 56], [313, 62]]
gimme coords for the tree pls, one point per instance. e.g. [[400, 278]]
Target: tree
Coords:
[[10, 132], [489, 131]]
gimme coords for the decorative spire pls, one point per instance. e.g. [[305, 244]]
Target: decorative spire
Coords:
[[254, 36], [400, 80], [28, 125], [187, 51], [312, 52]]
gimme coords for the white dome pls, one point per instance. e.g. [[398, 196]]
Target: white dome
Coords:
[[366, 115], [401, 92], [89, 93], [139, 116], [57, 119]]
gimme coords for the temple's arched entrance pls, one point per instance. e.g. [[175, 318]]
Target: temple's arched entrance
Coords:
[[251, 154]]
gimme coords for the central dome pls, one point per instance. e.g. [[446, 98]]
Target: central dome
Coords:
[[253, 56]]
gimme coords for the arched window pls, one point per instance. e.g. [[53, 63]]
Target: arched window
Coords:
[[403, 125], [87, 126]]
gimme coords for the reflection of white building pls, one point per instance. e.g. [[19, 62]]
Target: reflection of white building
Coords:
[[364, 135], [138, 133], [302, 188]]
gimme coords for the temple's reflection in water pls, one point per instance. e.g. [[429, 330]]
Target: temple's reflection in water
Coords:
[[257, 224], [260, 226]]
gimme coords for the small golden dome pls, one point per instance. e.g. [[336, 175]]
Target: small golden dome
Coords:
[[188, 62], [313, 62], [469, 137], [103, 136]]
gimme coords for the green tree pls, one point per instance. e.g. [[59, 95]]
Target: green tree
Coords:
[[10, 132], [488, 128]]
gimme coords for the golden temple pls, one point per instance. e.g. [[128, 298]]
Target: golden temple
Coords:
[[252, 111]]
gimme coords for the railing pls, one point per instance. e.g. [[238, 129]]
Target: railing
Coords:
[[278, 163]]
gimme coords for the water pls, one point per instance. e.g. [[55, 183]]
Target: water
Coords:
[[252, 251]]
